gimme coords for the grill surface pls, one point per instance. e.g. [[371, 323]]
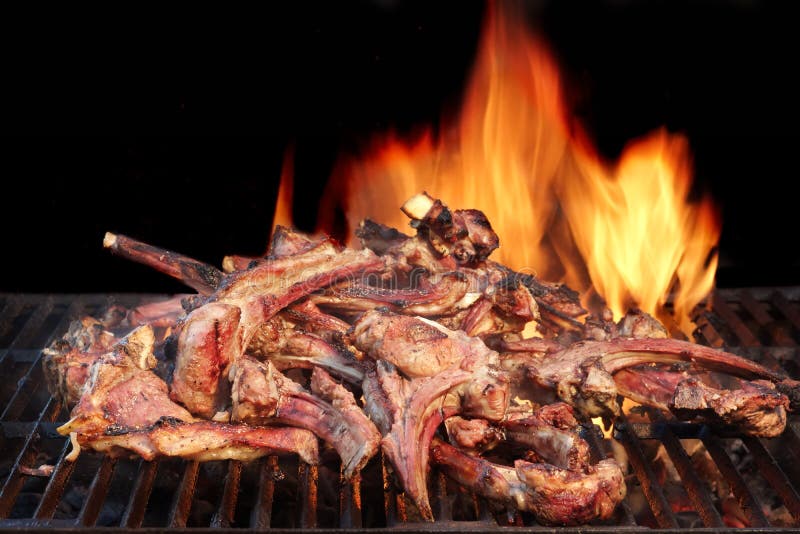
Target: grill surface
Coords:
[[96, 492]]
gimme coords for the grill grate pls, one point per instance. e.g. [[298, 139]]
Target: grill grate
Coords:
[[95, 491]]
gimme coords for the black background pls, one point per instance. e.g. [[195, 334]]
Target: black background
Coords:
[[171, 126]]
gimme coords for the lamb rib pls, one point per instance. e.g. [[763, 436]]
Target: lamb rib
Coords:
[[552, 432], [200, 276], [125, 408], [439, 295], [554, 495], [582, 373], [463, 377], [262, 395], [216, 334]]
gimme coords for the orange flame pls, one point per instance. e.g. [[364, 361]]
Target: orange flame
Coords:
[[283, 205], [626, 230]]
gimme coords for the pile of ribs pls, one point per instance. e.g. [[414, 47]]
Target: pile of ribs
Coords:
[[411, 345]]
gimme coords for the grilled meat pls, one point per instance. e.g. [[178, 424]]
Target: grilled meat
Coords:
[[554, 495], [261, 395], [465, 235], [582, 374], [426, 331], [755, 408], [472, 435], [68, 362], [125, 407], [200, 276], [552, 432], [214, 335], [430, 296], [451, 373], [417, 347]]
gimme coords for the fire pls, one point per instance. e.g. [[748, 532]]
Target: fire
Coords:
[[626, 230], [283, 206]]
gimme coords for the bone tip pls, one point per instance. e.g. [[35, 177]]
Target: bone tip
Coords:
[[418, 206], [109, 240], [228, 265]]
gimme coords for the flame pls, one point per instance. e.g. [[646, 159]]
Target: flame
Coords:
[[283, 205], [626, 230]]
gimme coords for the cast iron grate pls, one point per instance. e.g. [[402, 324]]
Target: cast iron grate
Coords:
[[96, 491]]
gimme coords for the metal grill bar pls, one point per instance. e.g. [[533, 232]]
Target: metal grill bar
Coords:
[[227, 506], [744, 334], [97, 493], [11, 308], [134, 512], [444, 510], [350, 501], [261, 516], [776, 477], [32, 379], [694, 486], [308, 476], [55, 487], [183, 496], [754, 316], [15, 479], [786, 308], [650, 487], [747, 501]]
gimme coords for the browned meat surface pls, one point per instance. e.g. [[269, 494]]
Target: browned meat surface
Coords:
[[409, 338], [379, 238], [638, 324], [312, 319], [206, 441], [651, 385], [263, 395], [203, 441], [290, 347], [464, 378], [756, 408], [431, 296], [417, 347], [559, 306], [214, 335], [122, 391], [555, 496], [309, 351], [552, 433], [465, 235], [209, 342], [563, 497], [460, 241], [68, 362], [286, 242], [472, 435], [125, 408], [582, 373], [161, 314]]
